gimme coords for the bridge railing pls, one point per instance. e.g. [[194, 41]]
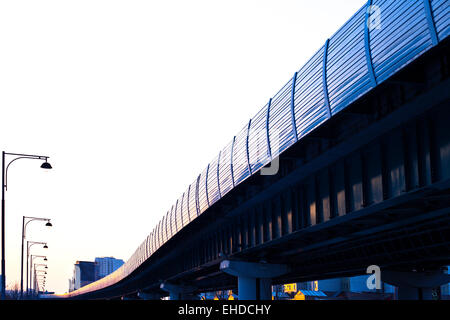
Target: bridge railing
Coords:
[[378, 40]]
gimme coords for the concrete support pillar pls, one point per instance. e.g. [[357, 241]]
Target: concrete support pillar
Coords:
[[179, 292], [415, 285], [254, 279]]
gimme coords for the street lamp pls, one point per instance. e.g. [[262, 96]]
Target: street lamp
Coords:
[[36, 276], [5, 167], [29, 245], [31, 267], [24, 230]]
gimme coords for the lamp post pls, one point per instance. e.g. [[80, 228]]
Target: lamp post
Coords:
[[40, 277], [32, 271], [5, 167], [24, 229], [36, 283], [29, 245]]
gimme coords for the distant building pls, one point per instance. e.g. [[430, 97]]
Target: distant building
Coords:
[[106, 265], [83, 274], [71, 284], [86, 272]]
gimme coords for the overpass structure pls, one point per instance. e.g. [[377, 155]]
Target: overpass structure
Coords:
[[347, 166]]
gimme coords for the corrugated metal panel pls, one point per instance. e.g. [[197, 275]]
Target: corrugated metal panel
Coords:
[[281, 133], [166, 229], [441, 16], [158, 235], [168, 223], [193, 209], [225, 178], [163, 230], [150, 244], [146, 249], [257, 141], [180, 218], [185, 208], [172, 222], [213, 183], [176, 217], [310, 110], [347, 73], [155, 239], [402, 37], [152, 241], [160, 239], [240, 160], [202, 192]]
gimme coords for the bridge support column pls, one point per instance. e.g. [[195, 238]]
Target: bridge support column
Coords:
[[415, 285], [179, 292], [254, 279]]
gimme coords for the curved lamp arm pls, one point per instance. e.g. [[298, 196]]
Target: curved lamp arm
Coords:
[[32, 243], [20, 156], [31, 219]]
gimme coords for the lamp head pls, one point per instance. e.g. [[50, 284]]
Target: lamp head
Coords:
[[45, 246], [48, 224], [46, 165]]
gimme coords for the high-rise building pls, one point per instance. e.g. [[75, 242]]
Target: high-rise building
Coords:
[[106, 265], [83, 274]]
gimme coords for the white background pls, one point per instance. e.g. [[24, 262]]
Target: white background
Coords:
[[131, 100]]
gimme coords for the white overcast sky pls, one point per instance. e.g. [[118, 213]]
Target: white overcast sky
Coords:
[[131, 100]]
